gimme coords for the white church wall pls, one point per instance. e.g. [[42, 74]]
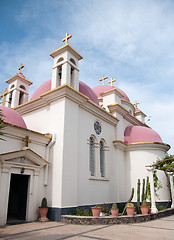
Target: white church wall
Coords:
[[137, 160], [38, 120], [94, 190], [120, 127], [36, 190], [70, 155], [120, 175], [128, 106], [56, 125]]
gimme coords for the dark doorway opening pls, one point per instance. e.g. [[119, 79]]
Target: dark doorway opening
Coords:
[[17, 198]]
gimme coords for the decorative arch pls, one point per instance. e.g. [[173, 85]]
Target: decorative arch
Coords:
[[60, 59], [73, 61], [22, 86], [12, 86]]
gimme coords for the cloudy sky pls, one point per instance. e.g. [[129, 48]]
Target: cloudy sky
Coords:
[[129, 40]]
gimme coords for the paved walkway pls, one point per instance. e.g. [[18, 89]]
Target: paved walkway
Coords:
[[154, 230]]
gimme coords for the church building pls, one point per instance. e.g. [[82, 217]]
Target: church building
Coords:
[[75, 145]]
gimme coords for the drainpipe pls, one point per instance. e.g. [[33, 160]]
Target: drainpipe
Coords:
[[47, 153]]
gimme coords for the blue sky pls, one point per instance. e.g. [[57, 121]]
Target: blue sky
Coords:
[[131, 41]]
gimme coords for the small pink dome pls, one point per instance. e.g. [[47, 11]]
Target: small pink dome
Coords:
[[137, 110], [103, 88], [12, 117], [135, 134], [21, 74], [83, 88]]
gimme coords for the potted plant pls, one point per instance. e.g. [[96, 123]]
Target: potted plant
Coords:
[[114, 210], [96, 211], [130, 209], [104, 210], [43, 209], [144, 208]]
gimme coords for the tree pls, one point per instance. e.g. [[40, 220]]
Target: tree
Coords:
[[2, 125], [166, 165]]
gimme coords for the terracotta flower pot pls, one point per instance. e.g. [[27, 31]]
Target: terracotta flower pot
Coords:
[[130, 211], [114, 212], [43, 212], [144, 210], [96, 211]]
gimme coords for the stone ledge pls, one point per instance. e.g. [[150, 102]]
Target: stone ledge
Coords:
[[82, 220]]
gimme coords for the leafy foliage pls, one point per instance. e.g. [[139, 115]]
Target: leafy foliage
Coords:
[[82, 212], [167, 164], [105, 208], [2, 125]]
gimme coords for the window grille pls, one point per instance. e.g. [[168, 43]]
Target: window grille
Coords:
[[102, 159], [92, 156]]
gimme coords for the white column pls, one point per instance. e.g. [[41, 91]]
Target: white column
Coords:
[[75, 79], [4, 193], [15, 98], [171, 185], [54, 82], [33, 209], [66, 73], [152, 190]]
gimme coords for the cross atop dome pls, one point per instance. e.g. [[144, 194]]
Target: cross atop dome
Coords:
[[20, 68], [103, 79], [111, 81], [67, 36], [136, 104], [3, 96]]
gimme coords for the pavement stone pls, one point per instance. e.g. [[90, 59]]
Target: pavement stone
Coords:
[[161, 229]]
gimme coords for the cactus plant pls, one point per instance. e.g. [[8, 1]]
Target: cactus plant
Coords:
[[138, 196], [129, 200], [143, 197], [44, 203]]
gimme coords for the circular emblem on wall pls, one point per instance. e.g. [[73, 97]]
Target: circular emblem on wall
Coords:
[[97, 127]]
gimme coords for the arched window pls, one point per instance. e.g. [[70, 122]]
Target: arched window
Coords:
[[21, 98], [73, 61], [102, 159], [23, 87], [12, 86], [60, 59], [92, 156]]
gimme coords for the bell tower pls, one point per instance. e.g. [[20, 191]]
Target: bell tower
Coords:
[[65, 68], [18, 89]]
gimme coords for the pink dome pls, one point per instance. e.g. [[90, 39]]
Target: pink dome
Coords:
[[87, 91], [83, 88], [103, 88], [135, 134], [45, 87], [12, 117], [137, 110], [21, 74]]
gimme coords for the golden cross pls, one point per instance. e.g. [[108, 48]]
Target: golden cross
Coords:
[[111, 81], [136, 103], [3, 96], [103, 79], [66, 38], [20, 68], [26, 141]]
